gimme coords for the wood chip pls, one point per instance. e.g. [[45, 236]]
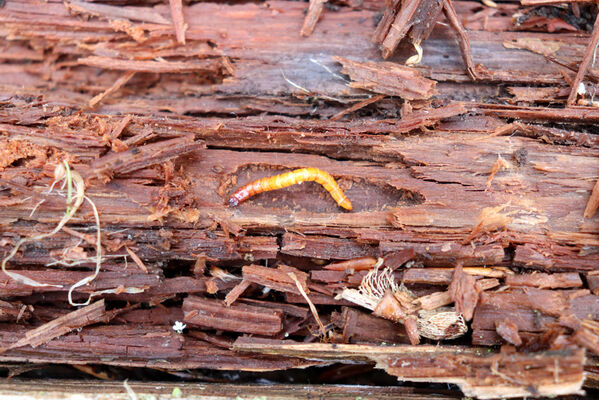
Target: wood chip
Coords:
[[235, 318], [277, 279], [545, 281], [236, 292], [508, 331], [388, 78], [119, 83], [94, 313], [178, 21], [314, 11], [593, 202], [464, 292]]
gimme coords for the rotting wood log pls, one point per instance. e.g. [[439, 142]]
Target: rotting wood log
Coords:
[[479, 193]]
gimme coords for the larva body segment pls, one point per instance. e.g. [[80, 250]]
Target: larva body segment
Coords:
[[356, 264], [288, 179]]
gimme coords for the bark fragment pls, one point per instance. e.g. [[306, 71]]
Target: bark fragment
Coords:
[[314, 11], [94, 313], [235, 318], [508, 331], [388, 78]]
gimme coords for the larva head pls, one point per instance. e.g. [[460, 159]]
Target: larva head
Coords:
[[233, 202]]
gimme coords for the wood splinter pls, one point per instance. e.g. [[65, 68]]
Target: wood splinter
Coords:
[[288, 179]]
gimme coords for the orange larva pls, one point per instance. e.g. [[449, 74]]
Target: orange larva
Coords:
[[288, 179], [356, 264]]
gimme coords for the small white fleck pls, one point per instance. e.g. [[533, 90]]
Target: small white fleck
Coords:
[[581, 89], [179, 326]]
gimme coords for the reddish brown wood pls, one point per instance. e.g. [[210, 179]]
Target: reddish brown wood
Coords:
[[237, 318], [177, 127]]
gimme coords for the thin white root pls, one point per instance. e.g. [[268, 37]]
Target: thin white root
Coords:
[[61, 172], [90, 278], [70, 178], [416, 58]]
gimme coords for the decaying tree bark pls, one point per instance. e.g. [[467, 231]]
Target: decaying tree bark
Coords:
[[473, 200]]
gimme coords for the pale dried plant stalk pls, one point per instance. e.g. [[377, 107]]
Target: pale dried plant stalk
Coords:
[[372, 288], [442, 323], [323, 330]]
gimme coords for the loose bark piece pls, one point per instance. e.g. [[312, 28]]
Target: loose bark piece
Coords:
[[14, 312], [405, 18], [360, 327], [584, 65], [444, 276], [413, 329], [490, 219], [463, 40], [464, 292], [327, 276], [236, 292], [440, 299], [388, 78], [508, 331], [545, 281], [538, 114], [587, 339], [122, 81], [141, 157], [314, 11], [277, 279], [112, 136], [532, 310], [382, 29], [91, 314], [151, 66], [178, 21], [434, 300], [143, 14], [396, 259], [137, 260], [593, 282], [235, 318], [593, 202], [390, 308], [549, 134]]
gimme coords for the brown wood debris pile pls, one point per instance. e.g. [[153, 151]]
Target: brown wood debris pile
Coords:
[[463, 133]]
